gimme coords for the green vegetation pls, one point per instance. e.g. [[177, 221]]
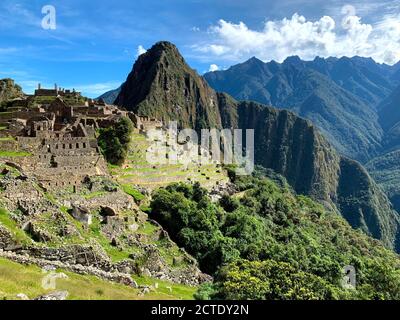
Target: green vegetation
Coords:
[[114, 141], [18, 235], [133, 192], [268, 280], [7, 138], [5, 153], [34, 101], [272, 244], [180, 292], [386, 172], [16, 278]]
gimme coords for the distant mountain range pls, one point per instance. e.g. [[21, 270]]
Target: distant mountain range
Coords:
[[340, 96], [355, 102], [162, 85], [110, 96]]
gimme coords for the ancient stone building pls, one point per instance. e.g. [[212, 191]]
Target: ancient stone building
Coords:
[[59, 144], [62, 158], [144, 123], [57, 141], [40, 92]]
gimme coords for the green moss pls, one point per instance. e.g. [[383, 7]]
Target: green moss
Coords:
[[6, 220], [92, 195], [148, 228], [11, 154], [133, 192], [7, 138]]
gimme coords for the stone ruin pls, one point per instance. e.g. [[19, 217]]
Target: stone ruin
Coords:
[[40, 92], [144, 123], [59, 141]]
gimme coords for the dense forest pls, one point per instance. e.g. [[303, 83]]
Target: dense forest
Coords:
[[265, 242]]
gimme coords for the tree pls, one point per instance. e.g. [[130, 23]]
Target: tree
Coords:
[[114, 141], [269, 280]]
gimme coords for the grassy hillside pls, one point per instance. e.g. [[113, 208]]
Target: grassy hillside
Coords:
[[16, 278]]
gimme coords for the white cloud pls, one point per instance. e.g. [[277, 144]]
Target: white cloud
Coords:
[[307, 39], [140, 50], [213, 67]]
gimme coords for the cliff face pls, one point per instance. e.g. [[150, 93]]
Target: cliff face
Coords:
[[364, 205], [294, 148], [162, 85]]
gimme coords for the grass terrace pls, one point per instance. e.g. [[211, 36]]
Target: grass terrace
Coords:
[[16, 278]]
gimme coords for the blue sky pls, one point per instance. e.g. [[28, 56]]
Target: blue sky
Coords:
[[95, 43]]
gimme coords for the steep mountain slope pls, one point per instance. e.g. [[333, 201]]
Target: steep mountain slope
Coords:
[[385, 170], [162, 85], [291, 146], [389, 118], [338, 95], [283, 142], [110, 96]]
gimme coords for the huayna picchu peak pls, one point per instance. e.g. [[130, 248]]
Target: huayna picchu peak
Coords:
[[162, 85]]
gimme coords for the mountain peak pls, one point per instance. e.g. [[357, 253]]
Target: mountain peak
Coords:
[[293, 60], [162, 48], [164, 45], [254, 60], [162, 85]]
